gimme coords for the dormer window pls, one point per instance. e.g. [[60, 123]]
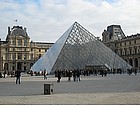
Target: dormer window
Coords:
[[25, 42], [14, 41]]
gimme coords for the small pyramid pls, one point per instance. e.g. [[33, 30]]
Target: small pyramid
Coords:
[[76, 49]]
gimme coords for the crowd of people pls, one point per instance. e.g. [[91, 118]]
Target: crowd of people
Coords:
[[133, 70], [16, 74], [73, 75], [9, 74]]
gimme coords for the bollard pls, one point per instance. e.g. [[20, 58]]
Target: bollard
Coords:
[[48, 89]]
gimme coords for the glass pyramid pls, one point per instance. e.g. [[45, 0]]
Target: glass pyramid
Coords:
[[76, 49]]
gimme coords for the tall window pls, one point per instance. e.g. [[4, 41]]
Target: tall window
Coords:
[[6, 49], [14, 42], [31, 56], [13, 68], [135, 50], [6, 66], [14, 56], [19, 42], [19, 56], [130, 50], [131, 62], [125, 50], [24, 68], [25, 42], [24, 56], [136, 62], [120, 52]]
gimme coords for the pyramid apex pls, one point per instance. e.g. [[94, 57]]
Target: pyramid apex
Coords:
[[75, 23]]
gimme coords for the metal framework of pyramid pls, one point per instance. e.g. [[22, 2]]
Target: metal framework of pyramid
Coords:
[[76, 49]]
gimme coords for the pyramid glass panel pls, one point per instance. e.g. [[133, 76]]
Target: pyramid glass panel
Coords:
[[76, 49]]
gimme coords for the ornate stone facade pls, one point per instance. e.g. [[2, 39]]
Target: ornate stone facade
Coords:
[[18, 52], [128, 47]]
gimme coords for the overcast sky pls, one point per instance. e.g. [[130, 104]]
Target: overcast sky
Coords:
[[47, 20]]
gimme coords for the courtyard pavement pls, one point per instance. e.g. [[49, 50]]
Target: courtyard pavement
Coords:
[[118, 89]]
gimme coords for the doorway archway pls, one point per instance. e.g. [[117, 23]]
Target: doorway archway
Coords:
[[6, 66], [131, 62], [136, 62], [19, 66]]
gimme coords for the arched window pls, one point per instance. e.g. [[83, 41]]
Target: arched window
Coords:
[[138, 52], [120, 52], [19, 66], [136, 62], [125, 50], [6, 66], [135, 50], [131, 62], [130, 51]]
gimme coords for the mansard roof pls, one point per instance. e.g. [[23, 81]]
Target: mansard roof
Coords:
[[18, 31]]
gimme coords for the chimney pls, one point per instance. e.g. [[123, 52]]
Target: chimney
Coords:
[[8, 30], [25, 29]]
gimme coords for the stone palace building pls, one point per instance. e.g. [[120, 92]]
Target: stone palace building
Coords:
[[18, 52], [127, 47]]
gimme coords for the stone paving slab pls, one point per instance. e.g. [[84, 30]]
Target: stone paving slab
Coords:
[[74, 99], [93, 90]]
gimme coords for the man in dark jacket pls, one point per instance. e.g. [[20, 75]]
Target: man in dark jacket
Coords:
[[58, 76], [17, 75]]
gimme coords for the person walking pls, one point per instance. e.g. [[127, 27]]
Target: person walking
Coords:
[[69, 75], [17, 75], [4, 73], [78, 73], [135, 71], [0, 75], [45, 74], [74, 75], [58, 76]]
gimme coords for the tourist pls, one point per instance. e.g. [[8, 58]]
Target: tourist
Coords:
[[69, 75], [45, 74], [0, 75], [58, 76], [4, 74], [74, 75], [78, 73], [17, 75]]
